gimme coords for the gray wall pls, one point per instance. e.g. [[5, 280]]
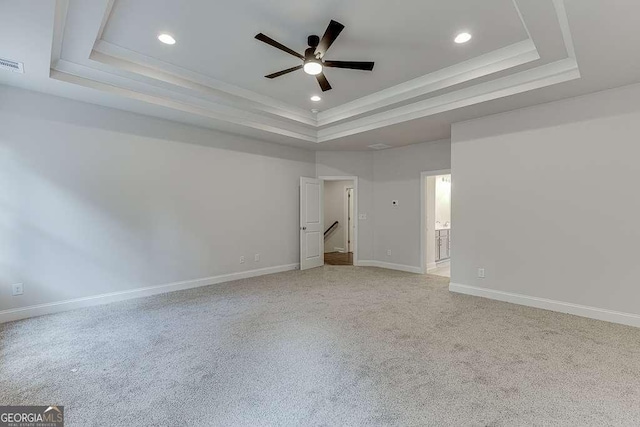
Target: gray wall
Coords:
[[397, 177], [383, 176], [95, 200], [546, 199]]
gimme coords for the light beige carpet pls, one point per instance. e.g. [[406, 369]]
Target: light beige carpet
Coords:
[[330, 346]]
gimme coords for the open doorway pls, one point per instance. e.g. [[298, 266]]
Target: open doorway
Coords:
[[437, 227], [339, 220]]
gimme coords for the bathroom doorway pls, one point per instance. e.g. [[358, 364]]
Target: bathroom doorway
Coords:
[[436, 219]]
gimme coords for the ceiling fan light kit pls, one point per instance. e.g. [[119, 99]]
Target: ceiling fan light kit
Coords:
[[312, 60]]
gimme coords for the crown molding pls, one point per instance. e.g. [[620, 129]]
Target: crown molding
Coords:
[[77, 74], [59, 21], [490, 63], [545, 75], [134, 62]]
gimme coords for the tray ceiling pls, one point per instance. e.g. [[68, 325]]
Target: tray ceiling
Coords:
[[213, 75], [406, 40]]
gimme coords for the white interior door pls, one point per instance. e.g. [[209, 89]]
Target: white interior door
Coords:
[[311, 223]]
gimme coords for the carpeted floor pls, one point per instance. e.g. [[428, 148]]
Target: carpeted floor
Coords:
[[330, 346]]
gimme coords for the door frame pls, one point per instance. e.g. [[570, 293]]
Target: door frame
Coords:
[[423, 223], [346, 215], [354, 179]]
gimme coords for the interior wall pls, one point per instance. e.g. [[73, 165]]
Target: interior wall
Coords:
[[95, 200], [397, 177], [384, 176], [334, 210], [532, 201]]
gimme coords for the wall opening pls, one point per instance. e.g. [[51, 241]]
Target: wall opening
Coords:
[[339, 221], [437, 227]]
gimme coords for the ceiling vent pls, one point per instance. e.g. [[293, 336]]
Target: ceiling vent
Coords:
[[16, 67], [379, 146]]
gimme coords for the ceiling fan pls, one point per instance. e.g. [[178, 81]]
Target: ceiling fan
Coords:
[[313, 58]]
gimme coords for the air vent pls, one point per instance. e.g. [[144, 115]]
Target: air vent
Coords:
[[379, 146], [16, 67]]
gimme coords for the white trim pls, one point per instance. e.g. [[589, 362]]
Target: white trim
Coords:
[[498, 60], [356, 195], [524, 81], [59, 306], [432, 266], [59, 22], [69, 72], [390, 266], [105, 17], [341, 250], [548, 304], [563, 21], [119, 57], [423, 225], [346, 216]]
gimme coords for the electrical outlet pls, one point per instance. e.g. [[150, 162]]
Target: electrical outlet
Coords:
[[481, 273], [388, 252], [242, 259], [256, 257], [17, 289]]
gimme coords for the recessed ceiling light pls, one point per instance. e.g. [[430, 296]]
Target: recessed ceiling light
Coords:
[[166, 39], [315, 98], [462, 38]]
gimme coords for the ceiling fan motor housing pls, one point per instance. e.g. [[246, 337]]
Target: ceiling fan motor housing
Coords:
[[313, 41], [310, 55]]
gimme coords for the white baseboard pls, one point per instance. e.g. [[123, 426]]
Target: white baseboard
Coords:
[[390, 266], [432, 266], [547, 304], [341, 250], [59, 306]]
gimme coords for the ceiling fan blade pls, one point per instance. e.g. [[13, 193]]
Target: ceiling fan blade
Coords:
[[323, 82], [268, 40], [330, 35], [352, 65], [283, 72]]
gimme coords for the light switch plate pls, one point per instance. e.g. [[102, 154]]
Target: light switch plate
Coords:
[[17, 289]]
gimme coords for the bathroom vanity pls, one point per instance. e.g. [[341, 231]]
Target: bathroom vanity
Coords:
[[443, 244]]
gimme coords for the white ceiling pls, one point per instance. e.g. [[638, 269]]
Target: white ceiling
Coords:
[[524, 52], [406, 39]]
